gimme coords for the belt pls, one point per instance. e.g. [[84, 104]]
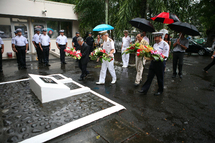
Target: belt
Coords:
[[37, 43], [61, 45], [45, 46], [20, 46]]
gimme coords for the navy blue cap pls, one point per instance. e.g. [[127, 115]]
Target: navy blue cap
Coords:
[[37, 29], [18, 30], [44, 29], [15, 32], [90, 32], [77, 32]]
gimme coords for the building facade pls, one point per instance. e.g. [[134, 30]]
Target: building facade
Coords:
[[31, 14]]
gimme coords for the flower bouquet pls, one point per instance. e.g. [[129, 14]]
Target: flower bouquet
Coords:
[[149, 53], [100, 53], [132, 49], [73, 53]]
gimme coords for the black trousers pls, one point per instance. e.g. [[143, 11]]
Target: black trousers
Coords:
[[62, 53], [210, 65], [39, 53], [83, 68], [0, 59], [46, 54], [17, 58], [21, 55], [155, 68], [178, 59]]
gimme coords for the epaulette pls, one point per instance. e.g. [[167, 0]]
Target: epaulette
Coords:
[[110, 40]]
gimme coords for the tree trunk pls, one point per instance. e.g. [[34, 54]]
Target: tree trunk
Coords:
[[210, 36], [143, 9]]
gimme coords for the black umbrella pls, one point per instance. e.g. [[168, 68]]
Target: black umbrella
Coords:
[[142, 24], [186, 28]]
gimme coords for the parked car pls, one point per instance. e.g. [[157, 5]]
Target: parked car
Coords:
[[196, 48]]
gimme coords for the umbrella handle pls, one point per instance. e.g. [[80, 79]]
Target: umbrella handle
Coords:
[[180, 36]]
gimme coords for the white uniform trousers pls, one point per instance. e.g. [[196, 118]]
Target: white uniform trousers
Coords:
[[107, 65], [139, 67], [125, 58]]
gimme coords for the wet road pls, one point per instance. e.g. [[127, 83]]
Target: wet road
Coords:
[[184, 113]]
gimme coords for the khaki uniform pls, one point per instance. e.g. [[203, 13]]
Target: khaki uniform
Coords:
[[139, 63]]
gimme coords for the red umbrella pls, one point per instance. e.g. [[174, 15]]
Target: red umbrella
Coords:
[[166, 18]]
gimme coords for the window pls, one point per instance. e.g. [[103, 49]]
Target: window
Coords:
[[5, 28], [52, 29], [67, 26]]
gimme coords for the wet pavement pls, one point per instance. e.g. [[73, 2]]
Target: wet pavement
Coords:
[[184, 113]]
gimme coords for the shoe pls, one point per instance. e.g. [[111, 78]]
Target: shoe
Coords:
[[48, 65], [173, 76], [142, 92], [100, 83], [81, 79], [158, 94], [113, 81], [64, 63], [180, 76], [205, 71], [24, 68], [135, 84]]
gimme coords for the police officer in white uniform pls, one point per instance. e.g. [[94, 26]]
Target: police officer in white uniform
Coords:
[[1, 52], [108, 45], [35, 41], [21, 44], [157, 67], [126, 41], [45, 46], [14, 48], [61, 43]]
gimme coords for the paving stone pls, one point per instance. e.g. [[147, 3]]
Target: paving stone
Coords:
[[10, 131], [114, 131], [13, 139], [36, 131]]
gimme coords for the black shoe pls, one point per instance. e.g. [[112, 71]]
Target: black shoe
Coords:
[[48, 65], [158, 94], [180, 76], [143, 92], [81, 79], [136, 85], [174, 76], [24, 68], [64, 63]]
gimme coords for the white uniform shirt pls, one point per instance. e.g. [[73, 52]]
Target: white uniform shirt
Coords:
[[36, 38], [162, 47], [1, 42], [20, 41], [146, 38], [44, 40], [126, 42], [108, 45], [13, 40], [61, 40]]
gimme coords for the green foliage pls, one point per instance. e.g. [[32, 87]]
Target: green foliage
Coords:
[[200, 13]]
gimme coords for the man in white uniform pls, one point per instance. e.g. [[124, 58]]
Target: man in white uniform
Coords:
[[61, 43], [35, 41], [108, 45], [157, 67], [1, 52], [45, 46], [145, 37], [126, 41], [21, 44], [14, 48]]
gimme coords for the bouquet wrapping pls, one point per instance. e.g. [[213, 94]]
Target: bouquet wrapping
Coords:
[[149, 53], [132, 49], [73, 53], [100, 53]]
